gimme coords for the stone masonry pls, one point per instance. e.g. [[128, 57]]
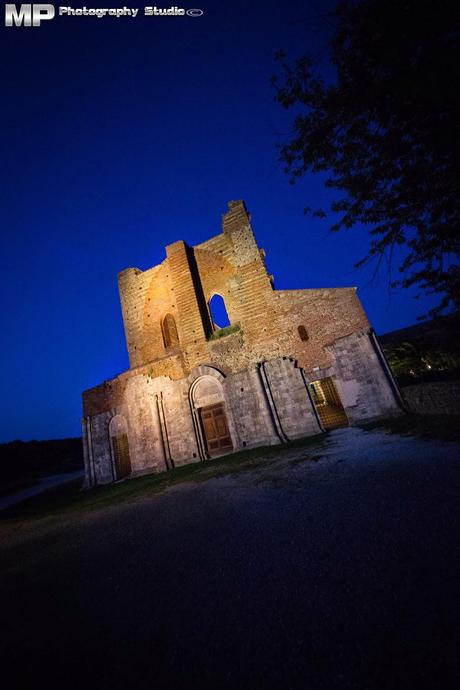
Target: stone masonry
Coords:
[[293, 362]]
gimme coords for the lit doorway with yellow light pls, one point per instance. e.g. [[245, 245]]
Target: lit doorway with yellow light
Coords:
[[328, 404]]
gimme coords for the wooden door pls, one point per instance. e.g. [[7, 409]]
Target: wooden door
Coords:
[[121, 455], [215, 429]]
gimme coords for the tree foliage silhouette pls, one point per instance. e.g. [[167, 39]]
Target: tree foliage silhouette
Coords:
[[384, 125]]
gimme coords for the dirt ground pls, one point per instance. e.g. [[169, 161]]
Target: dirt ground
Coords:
[[331, 567]]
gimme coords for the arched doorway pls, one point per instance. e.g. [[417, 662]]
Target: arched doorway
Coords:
[[118, 432], [328, 404], [209, 405]]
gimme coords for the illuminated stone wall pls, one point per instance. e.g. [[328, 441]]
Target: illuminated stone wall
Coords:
[[262, 368]]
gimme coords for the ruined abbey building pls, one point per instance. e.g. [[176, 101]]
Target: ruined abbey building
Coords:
[[291, 363]]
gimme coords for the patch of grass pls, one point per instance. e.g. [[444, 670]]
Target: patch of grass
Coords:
[[441, 427], [222, 332], [70, 498]]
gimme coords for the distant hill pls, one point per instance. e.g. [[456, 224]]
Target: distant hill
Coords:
[[24, 460]]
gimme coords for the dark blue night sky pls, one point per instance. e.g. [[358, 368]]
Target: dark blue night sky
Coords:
[[121, 136]]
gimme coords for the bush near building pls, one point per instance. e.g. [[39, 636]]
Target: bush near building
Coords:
[[429, 351]]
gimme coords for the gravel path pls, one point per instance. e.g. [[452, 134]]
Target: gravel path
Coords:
[[333, 567]]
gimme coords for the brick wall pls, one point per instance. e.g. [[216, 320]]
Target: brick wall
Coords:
[[232, 265]]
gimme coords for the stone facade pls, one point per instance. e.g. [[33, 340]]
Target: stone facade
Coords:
[[292, 364]]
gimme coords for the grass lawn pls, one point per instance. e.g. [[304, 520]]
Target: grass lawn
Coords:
[[286, 573], [70, 497], [439, 427]]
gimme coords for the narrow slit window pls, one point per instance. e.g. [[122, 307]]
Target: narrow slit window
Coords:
[[169, 329], [303, 333]]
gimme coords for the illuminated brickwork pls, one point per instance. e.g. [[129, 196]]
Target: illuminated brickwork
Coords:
[[259, 370]]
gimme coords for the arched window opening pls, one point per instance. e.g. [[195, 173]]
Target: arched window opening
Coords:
[[303, 334], [218, 312], [169, 328]]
